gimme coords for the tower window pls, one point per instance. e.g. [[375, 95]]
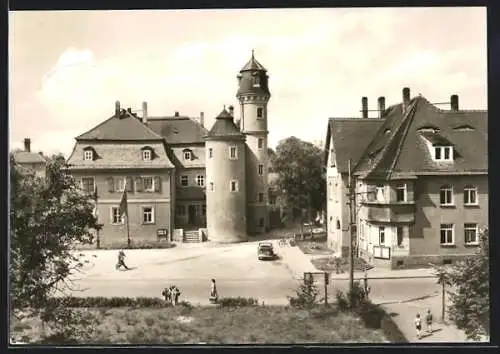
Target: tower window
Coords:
[[261, 197], [233, 185], [233, 153], [260, 143], [211, 186], [210, 152], [261, 169], [260, 112]]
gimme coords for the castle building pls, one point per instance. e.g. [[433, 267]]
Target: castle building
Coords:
[[30, 162], [420, 176], [195, 183]]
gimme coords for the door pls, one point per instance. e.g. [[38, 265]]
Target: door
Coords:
[[191, 215]]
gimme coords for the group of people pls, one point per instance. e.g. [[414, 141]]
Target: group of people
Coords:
[[171, 294], [428, 322]]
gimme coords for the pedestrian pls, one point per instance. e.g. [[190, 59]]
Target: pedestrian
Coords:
[[166, 294], [174, 294], [121, 260], [428, 320], [213, 291], [418, 326]]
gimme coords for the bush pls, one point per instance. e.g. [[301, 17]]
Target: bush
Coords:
[[237, 302], [307, 295], [100, 301], [342, 301], [358, 297]]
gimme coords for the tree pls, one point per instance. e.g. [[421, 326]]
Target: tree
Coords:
[[470, 292], [301, 179], [48, 217]]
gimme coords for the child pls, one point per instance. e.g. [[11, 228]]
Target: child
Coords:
[[418, 325], [166, 294], [121, 260], [428, 320]]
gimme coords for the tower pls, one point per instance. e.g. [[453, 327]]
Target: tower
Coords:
[[253, 95], [226, 181]]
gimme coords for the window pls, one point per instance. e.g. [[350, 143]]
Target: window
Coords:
[[210, 152], [116, 218], [233, 185], [204, 210], [261, 169], [233, 153], [211, 186], [446, 234], [381, 235], [261, 197], [148, 215], [181, 210], [260, 112], [470, 234], [470, 195], [146, 154], [380, 192], [443, 153], [399, 234], [338, 224], [260, 143], [88, 155], [200, 180], [184, 181], [261, 222], [148, 183], [88, 185], [446, 195], [120, 184], [401, 193], [187, 155]]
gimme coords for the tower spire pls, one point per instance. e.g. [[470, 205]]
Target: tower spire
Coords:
[[253, 51]]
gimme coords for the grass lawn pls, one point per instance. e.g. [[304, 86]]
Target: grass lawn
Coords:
[[327, 264], [213, 325]]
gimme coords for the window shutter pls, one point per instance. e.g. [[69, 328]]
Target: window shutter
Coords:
[[111, 184], [138, 184], [130, 184], [157, 184]]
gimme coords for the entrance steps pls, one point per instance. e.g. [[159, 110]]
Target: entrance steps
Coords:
[[191, 236]]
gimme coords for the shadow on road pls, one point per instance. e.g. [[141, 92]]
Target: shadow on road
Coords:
[[427, 334], [409, 300]]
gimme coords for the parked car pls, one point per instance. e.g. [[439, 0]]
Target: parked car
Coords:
[[265, 251]]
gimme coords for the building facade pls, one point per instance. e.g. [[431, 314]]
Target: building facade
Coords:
[[421, 189], [30, 162], [215, 181]]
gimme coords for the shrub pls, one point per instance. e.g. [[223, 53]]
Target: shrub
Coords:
[[100, 301], [342, 301], [307, 295], [237, 302], [358, 297]]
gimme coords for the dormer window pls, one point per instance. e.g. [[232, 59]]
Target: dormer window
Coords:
[[88, 154], [256, 80], [188, 155], [146, 155], [443, 153]]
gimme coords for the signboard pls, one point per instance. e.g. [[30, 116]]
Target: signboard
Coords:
[[381, 252], [162, 232]]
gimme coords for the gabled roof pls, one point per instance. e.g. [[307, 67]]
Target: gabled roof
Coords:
[[125, 127], [399, 148], [253, 65], [224, 126], [350, 139], [26, 157], [178, 130]]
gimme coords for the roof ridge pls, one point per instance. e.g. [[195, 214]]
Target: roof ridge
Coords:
[[441, 110], [130, 115]]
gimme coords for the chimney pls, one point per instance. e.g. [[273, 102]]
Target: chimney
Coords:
[[381, 106], [364, 107], [145, 112], [454, 102], [176, 114], [406, 98], [202, 119], [117, 108], [27, 145]]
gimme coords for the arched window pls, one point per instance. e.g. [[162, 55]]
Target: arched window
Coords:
[[446, 195], [470, 195]]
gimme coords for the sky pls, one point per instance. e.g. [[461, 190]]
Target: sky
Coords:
[[67, 68]]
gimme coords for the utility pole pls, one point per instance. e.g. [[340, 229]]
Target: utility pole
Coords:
[[351, 232], [326, 288]]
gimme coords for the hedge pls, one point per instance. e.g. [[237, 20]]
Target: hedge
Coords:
[[375, 316], [237, 302], [100, 301]]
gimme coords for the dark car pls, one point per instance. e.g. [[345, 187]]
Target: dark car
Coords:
[[266, 251]]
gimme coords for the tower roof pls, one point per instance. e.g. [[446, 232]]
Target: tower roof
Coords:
[[253, 65], [224, 126]]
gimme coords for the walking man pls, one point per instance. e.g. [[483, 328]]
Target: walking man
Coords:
[[213, 292], [428, 320], [121, 261], [418, 326]]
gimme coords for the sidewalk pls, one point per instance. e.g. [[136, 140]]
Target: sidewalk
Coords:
[[387, 273]]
